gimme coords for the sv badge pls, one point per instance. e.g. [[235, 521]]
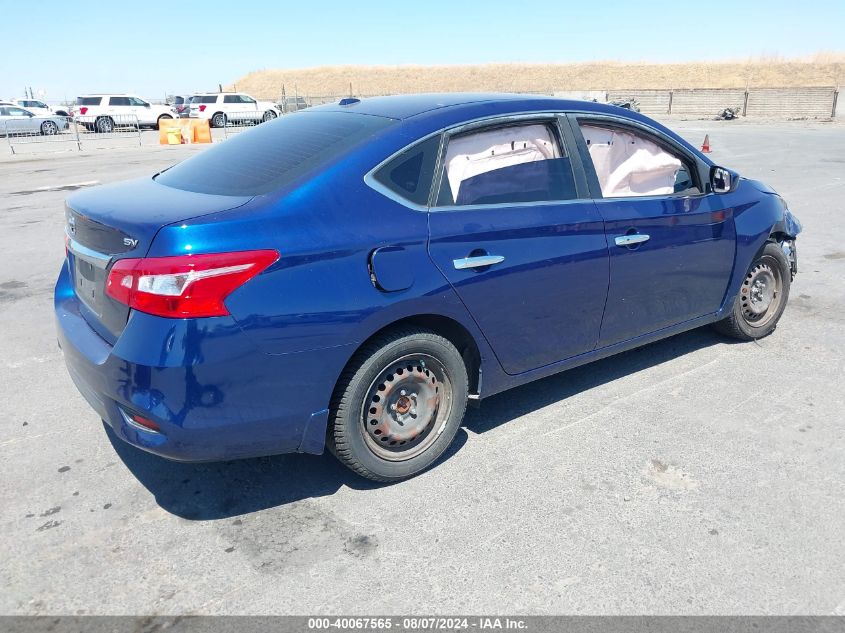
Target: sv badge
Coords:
[[128, 241]]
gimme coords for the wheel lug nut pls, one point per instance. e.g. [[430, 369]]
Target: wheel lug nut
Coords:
[[402, 392]]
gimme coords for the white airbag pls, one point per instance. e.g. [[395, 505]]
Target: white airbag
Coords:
[[630, 165], [476, 154]]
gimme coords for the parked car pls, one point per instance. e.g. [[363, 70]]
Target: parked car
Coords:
[[105, 112], [180, 105], [293, 104], [222, 108], [39, 107], [17, 120], [353, 274]]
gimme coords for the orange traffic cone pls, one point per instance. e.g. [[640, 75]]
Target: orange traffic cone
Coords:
[[705, 146]]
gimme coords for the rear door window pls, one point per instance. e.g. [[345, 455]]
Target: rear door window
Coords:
[[506, 165], [204, 99], [88, 101], [274, 154]]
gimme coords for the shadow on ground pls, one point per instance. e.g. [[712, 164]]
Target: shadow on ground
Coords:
[[211, 491]]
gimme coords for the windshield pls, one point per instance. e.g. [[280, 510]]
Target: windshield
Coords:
[[273, 154]]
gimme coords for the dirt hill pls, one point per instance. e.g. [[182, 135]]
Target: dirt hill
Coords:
[[820, 70]]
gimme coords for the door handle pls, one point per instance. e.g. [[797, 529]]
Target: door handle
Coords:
[[477, 262], [630, 240]]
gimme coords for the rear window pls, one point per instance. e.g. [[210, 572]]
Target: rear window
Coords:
[[88, 101], [273, 154]]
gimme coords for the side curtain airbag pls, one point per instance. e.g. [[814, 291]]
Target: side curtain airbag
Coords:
[[475, 154], [630, 165]]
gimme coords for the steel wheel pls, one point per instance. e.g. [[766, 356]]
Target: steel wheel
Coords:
[[761, 293], [398, 404], [49, 128], [406, 407]]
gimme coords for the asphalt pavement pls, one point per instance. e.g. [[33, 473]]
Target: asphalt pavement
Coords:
[[693, 476]]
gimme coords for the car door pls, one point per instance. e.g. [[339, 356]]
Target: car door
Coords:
[[671, 243], [20, 121], [121, 111], [142, 110], [513, 231], [250, 106]]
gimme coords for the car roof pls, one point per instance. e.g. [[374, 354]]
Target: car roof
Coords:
[[407, 106]]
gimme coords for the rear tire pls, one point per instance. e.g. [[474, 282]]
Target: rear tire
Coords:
[[762, 297], [104, 125], [398, 404], [218, 120]]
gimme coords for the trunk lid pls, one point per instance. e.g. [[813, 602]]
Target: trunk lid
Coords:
[[117, 221]]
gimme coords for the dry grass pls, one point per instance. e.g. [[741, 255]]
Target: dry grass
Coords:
[[822, 69]]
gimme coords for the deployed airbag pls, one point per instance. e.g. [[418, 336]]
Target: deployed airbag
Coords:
[[475, 154], [630, 165]]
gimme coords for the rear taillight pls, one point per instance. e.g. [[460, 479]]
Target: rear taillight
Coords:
[[185, 285], [202, 108], [83, 110]]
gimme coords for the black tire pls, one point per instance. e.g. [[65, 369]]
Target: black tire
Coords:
[[366, 430], [104, 125], [158, 122], [49, 128], [268, 116], [218, 120], [748, 320]]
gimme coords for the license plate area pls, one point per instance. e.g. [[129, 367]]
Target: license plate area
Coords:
[[89, 283]]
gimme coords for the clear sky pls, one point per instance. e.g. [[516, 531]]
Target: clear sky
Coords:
[[153, 47]]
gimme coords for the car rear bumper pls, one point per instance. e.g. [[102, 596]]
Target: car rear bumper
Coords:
[[212, 393]]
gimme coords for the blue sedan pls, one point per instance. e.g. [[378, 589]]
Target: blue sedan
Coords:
[[353, 275]]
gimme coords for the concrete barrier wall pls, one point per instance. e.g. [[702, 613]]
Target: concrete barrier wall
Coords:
[[583, 95], [651, 101], [783, 103], [706, 103], [812, 103]]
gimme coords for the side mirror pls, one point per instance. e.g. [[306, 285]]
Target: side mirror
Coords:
[[147, 105], [722, 180]]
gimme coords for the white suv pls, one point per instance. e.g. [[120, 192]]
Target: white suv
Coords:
[[105, 112], [39, 107], [221, 108]]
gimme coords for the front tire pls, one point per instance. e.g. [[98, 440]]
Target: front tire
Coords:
[[49, 128], [762, 297], [398, 405], [268, 116], [158, 122]]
